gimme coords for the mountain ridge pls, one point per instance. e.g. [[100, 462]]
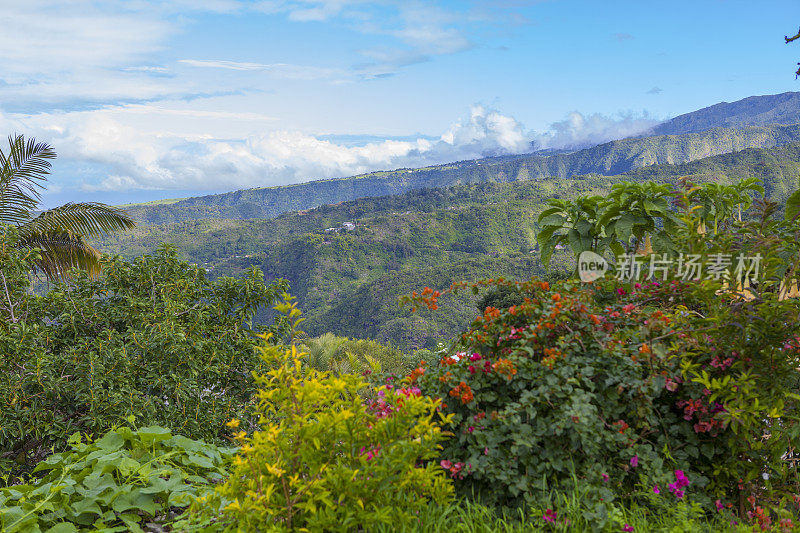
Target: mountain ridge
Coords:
[[612, 158], [763, 110]]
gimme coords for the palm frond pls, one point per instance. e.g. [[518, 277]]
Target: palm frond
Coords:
[[86, 219], [25, 167], [15, 206], [59, 252]]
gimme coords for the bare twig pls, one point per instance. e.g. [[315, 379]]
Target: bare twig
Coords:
[[11, 305]]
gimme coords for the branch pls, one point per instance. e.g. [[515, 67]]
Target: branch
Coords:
[[11, 304], [790, 39]]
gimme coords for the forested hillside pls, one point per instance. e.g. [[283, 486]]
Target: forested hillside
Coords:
[[611, 158], [440, 235]]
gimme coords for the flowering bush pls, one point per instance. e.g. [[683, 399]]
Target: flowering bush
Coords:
[[558, 386], [325, 460]]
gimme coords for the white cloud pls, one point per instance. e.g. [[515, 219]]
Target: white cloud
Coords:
[[579, 130], [279, 70], [45, 37], [154, 147]]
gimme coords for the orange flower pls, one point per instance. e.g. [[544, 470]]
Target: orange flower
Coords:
[[505, 367]]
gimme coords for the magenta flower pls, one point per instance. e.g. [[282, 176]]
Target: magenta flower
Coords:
[[719, 505], [605, 477], [656, 489], [550, 516], [621, 291], [627, 527], [680, 479], [475, 357], [635, 461]]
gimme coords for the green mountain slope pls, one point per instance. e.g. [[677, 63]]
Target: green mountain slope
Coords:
[[347, 281], [608, 159], [753, 111]]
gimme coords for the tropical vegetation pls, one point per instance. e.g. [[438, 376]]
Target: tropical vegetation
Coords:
[[180, 387]]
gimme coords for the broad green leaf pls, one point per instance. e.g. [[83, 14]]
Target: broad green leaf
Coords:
[[154, 434], [111, 441], [63, 527]]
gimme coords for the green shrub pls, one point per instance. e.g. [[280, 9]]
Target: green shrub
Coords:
[[153, 337], [323, 460], [331, 353], [116, 483]]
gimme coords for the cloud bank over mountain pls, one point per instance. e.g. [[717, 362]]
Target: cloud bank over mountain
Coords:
[[151, 147]]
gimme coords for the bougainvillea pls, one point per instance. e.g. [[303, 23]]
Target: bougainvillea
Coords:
[[610, 388], [563, 383]]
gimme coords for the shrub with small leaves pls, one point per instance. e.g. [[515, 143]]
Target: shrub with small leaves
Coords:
[[326, 460]]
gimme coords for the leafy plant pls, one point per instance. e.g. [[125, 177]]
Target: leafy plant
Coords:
[[119, 482], [323, 460]]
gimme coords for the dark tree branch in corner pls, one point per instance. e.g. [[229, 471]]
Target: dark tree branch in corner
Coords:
[[788, 40]]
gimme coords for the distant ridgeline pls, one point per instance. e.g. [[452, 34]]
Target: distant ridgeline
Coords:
[[752, 111], [347, 281], [611, 158]]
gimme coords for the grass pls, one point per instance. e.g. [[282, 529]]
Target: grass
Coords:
[[466, 516]]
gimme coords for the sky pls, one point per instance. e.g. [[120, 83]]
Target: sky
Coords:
[[144, 100]]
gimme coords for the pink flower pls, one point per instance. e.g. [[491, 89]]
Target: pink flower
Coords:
[[679, 494], [656, 489], [621, 291], [486, 451], [550, 516], [680, 479], [470, 429], [635, 461], [605, 478], [628, 528], [475, 357], [471, 369], [446, 464], [719, 505]]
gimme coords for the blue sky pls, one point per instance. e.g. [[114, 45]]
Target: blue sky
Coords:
[[145, 100]]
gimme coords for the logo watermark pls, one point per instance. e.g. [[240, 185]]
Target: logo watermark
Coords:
[[591, 266], [688, 267]]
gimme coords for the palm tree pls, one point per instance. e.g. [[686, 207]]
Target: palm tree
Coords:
[[57, 235]]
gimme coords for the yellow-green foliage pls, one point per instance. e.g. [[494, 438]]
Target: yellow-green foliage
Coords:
[[323, 460]]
